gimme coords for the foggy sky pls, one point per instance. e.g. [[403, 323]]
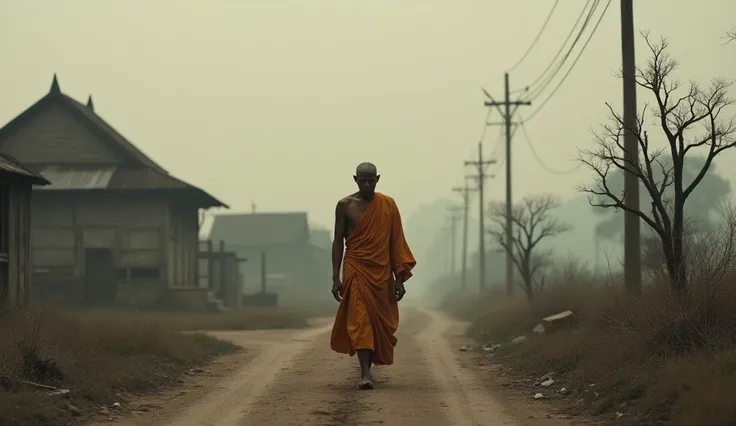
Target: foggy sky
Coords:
[[276, 102]]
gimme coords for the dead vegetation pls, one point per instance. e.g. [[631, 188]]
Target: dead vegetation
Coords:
[[664, 354], [647, 359], [237, 319], [689, 119], [533, 222], [56, 365]]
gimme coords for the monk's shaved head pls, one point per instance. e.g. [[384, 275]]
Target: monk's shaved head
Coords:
[[366, 176], [366, 169]]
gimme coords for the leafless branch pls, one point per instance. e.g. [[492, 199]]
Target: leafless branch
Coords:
[[730, 36], [691, 118], [533, 223]]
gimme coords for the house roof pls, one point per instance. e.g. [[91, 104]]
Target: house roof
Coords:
[[12, 166], [113, 177], [254, 229], [88, 116], [141, 173]]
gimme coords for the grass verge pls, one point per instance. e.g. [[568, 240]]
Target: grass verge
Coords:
[[652, 359], [236, 319], [102, 355]]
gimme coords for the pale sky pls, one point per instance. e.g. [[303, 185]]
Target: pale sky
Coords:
[[277, 101]]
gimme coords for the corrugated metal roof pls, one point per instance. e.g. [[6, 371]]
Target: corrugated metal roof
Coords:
[[9, 164], [119, 178], [147, 178], [77, 178]]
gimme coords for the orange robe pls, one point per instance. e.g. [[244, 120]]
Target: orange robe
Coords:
[[376, 251]]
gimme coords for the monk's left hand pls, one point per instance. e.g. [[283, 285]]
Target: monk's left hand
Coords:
[[400, 290]]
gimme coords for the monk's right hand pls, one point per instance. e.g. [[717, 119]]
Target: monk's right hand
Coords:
[[336, 289]]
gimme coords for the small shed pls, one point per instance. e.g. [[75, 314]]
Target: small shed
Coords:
[[296, 268], [16, 182]]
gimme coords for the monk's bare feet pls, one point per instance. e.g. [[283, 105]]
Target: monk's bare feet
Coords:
[[366, 382]]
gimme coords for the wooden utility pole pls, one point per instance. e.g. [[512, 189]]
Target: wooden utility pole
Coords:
[[465, 193], [481, 177], [507, 114], [632, 225], [453, 218]]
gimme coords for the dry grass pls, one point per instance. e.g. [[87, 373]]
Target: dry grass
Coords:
[[102, 355], [670, 361], [236, 319]]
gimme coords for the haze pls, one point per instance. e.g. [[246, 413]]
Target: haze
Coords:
[[276, 102]]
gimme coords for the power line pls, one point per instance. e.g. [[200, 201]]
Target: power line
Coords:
[[485, 126], [539, 158], [550, 77], [495, 153], [539, 34], [547, 79], [562, 47], [580, 54]]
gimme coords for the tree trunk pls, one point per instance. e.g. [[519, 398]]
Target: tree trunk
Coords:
[[527, 277], [528, 287], [679, 276], [679, 272], [669, 259]]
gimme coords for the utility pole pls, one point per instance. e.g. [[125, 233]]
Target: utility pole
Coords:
[[507, 113], [465, 193], [453, 218], [481, 178], [632, 225]]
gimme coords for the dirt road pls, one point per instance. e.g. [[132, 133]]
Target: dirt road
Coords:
[[292, 378]]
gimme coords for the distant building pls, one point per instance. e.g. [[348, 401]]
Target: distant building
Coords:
[[113, 226], [15, 231], [295, 267], [321, 238]]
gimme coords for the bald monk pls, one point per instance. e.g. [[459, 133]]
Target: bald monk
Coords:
[[377, 263]]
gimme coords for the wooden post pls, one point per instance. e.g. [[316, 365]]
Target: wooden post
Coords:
[[210, 265], [263, 272], [223, 280]]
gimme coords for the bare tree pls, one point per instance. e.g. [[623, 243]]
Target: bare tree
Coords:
[[730, 36], [690, 119], [533, 223]]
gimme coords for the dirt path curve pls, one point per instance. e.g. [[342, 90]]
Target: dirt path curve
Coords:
[[293, 378]]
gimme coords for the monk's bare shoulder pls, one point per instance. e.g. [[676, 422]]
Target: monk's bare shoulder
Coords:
[[347, 200], [390, 201]]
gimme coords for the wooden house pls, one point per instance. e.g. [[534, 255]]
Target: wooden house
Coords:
[[113, 226]]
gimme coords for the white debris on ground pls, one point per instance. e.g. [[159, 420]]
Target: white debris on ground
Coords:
[[547, 383]]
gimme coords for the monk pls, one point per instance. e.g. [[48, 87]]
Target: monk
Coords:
[[376, 265]]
